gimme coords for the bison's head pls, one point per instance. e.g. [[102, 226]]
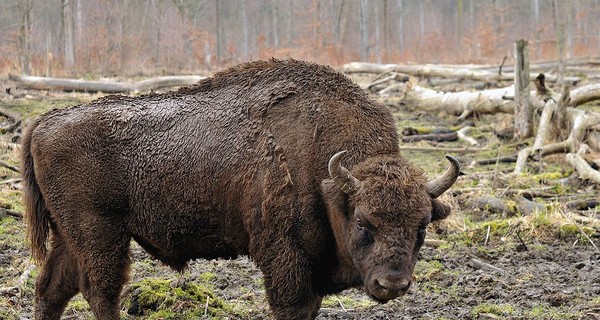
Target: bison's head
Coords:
[[379, 213]]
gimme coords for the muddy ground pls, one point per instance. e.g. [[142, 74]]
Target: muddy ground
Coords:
[[483, 264]]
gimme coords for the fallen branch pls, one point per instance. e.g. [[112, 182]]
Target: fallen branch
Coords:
[[8, 166], [504, 159], [42, 83], [586, 172], [11, 181], [585, 94], [544, 126], [582, 204], [392, 77], [478, 264], [451, 136], [432, 70], [6, 212], [462, 135], [443, 149]]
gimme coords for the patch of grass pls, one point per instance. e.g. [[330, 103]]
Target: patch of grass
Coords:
[[545, 225], [33, 108], [78, 308], [153, 298], [501, 310], [11, 199], [547, 312], [7, 310], [426, 270], [207, 277], [12, 233], [595, 303]]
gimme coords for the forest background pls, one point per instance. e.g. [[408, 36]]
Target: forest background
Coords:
[[78, 38]]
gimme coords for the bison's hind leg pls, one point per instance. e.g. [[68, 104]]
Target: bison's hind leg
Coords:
[[104, 268], [57, 283]]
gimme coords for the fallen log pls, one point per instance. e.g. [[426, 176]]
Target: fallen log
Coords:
[[432, 70], [585, 204], [586, 172], [43, 83], [585, 94], [463, 103], [438, 137]]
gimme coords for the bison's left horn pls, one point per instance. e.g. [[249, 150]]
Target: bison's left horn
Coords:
[[342, 177], [439, 185]]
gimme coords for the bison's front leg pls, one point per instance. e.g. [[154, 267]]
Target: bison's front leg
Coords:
[[288, 282]]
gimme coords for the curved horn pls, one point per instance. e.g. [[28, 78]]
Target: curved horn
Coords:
[[439, 185], [342, 177]]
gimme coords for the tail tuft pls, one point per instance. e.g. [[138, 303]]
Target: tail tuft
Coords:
[[36, 213]]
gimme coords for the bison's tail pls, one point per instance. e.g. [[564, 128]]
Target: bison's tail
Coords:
[[36, 213]]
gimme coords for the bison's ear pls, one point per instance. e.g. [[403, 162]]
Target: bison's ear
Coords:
[[335, 198], [439, 210]]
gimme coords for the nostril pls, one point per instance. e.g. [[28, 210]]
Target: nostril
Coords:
[[397, 285], [381, 287], [404, 284]]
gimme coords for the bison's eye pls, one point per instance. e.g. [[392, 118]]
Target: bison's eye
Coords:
[[365, 237], [359, 225]]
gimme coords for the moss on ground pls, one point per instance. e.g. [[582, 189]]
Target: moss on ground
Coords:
[[500, 310], [154, 298], [547, 312]]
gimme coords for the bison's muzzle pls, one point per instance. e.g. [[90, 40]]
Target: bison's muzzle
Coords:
[[388, 287]]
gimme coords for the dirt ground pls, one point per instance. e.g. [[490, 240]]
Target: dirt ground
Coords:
[[483, 265], [544, 281]]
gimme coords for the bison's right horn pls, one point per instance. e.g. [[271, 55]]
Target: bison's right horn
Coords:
[[342, 177], [439, 185]]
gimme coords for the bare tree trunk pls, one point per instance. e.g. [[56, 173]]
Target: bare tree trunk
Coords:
[[385, 30], [78, 24], [459, 24], [400, 26], [337, 31], [377, 32], [291, 23], [48, 53], [537, 30], [559, 30], [523, 112], [275, 22], [69, 35], [218, 31], [245, 48], [364, 48], [25, 7]]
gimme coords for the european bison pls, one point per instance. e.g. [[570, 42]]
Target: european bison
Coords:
[[251, 161]]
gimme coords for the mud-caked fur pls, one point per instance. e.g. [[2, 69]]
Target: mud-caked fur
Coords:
[[235, 165]]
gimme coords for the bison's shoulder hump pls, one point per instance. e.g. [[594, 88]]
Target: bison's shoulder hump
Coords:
[[307, 76]]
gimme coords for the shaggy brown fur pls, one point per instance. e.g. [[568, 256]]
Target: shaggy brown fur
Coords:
[[236, 164]]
